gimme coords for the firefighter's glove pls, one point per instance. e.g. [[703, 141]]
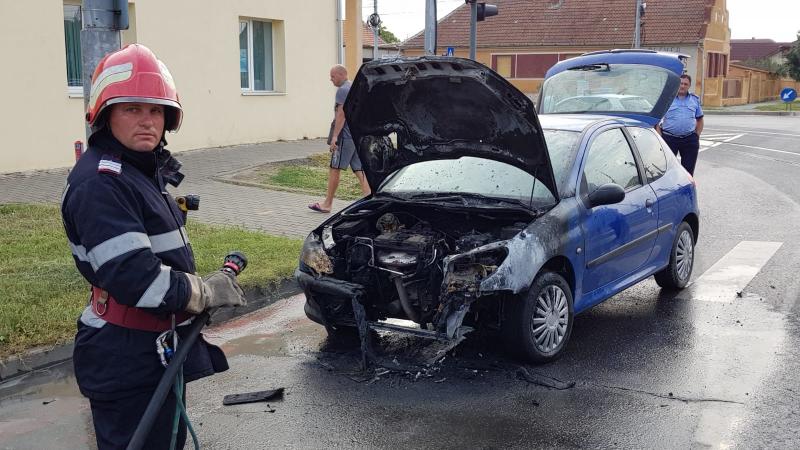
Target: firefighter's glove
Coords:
[[215, 290]]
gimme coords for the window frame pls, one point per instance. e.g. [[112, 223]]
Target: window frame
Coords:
[[638, 150], [633, 153], [251, 90], [73, 91]]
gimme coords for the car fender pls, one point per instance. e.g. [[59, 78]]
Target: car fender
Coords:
[[528, 251]]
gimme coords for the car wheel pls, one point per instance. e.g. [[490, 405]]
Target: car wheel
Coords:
[[681, 260], [539, 324]]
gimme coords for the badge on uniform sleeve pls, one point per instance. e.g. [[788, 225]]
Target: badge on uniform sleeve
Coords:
[[110, 164]]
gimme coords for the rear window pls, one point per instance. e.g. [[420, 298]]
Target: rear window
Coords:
[[632, 88]]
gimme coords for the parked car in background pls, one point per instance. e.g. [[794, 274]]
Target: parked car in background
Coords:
[[484, 214]]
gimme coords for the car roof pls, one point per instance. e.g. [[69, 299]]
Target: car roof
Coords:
[[580, 122]]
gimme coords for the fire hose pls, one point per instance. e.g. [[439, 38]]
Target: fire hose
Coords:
[[234, 264]]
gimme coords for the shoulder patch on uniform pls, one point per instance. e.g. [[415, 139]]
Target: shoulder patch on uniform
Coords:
[[110, 164]]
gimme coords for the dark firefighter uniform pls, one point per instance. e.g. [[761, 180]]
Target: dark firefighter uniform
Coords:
[[128, 240]]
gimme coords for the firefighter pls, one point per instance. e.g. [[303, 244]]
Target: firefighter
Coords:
[[128, 240]]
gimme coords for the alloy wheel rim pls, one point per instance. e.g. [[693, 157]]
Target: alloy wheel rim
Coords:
[[684, 255], [550, 319]]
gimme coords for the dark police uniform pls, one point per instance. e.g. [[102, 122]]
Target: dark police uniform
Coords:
[[678, 128], [128, 240]]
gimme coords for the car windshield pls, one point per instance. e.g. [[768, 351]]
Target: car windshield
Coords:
[[468, 175], [630, 88]]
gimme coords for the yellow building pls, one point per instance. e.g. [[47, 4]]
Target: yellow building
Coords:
[[247, 71], [527, 38]]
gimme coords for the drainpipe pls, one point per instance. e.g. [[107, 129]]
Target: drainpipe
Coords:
[[702, 72], [102, 22]]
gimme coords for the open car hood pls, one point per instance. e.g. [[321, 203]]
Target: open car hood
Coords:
[[636, 84], [405, 110]]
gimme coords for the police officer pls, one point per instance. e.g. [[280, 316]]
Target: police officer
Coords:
[[128, 241], [682, 125]]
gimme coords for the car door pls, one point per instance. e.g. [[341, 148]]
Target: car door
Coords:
[[618, 237]]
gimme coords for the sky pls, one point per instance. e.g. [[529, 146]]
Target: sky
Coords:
[[770, 19]]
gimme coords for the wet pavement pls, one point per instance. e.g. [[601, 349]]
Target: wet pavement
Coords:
[[700, 369]]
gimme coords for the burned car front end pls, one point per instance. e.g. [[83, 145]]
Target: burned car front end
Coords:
[[403, 260], [459, 169]]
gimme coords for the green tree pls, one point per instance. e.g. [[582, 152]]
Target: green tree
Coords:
[[387, 35], [767, 64], [793, 59]]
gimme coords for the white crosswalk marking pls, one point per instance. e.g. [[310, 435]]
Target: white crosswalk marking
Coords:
[[711, 140], [728, 276]]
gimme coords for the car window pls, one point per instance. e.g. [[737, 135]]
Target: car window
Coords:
[[468, 175], [616, 87], [561, 145], [653, 157], [610, 160]]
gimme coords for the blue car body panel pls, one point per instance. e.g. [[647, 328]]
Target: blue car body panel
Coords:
[[671, 62]]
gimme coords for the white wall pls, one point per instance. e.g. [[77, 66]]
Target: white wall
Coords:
[[198, 40]]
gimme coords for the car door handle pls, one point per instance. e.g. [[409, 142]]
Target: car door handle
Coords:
[[649, 203]]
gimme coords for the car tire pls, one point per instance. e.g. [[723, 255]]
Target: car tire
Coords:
[[539, 324], [681, 260]]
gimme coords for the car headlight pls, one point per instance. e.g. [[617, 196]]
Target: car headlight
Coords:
[[327, 238], [313, 255], [466, 271]]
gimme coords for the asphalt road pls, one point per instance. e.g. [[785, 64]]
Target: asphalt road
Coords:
[[713, 367]]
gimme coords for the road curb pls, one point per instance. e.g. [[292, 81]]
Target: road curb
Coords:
[[711, 112], [43, 357]]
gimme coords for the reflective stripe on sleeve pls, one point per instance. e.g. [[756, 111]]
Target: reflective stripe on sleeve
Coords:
[[79, 251], [154, 295], [116, 246], [168, 241]]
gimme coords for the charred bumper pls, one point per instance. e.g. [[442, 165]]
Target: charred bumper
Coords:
[[328, 298]]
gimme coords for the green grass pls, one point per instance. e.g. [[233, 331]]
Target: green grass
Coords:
[[43, 293], [779, 106], [312, 178]]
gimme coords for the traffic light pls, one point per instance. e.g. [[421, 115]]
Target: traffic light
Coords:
[[485, 11]]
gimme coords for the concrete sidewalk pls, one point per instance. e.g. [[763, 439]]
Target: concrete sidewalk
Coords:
[[278, 213]]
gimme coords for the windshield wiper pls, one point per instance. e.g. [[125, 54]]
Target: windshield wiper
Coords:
[[462, 198], [593, 67], [392, 196], [439, 196]]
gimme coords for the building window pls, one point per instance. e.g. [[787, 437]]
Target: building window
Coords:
[[72, 45], [717, 65], [256, 67]]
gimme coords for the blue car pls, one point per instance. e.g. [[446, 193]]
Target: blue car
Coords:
[[487, 215]]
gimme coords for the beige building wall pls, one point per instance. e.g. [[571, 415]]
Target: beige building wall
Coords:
[[199, 42]]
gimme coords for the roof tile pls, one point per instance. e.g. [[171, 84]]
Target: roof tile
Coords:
[[521, 23]]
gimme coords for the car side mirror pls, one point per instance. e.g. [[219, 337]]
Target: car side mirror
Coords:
[[607, 194]]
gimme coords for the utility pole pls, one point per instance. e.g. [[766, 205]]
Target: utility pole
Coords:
[[375, 22], [100, 35], [340, 32], [473, 28], [637, 33], [430, 27]]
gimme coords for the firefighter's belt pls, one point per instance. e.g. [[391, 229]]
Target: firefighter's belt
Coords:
[[108, 309]]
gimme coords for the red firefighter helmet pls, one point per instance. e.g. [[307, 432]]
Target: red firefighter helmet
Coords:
[[133, 75]]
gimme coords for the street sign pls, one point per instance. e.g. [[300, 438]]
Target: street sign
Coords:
[[788, 95], [451, 51]]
